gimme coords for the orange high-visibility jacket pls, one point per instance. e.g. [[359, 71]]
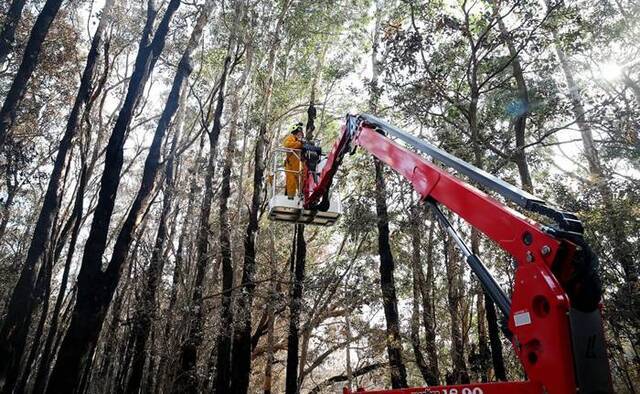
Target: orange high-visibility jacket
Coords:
[[292, 162]]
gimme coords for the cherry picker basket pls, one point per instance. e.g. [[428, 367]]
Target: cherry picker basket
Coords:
[[286, 209]]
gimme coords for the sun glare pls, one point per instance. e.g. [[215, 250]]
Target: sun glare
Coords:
[[609, 71]]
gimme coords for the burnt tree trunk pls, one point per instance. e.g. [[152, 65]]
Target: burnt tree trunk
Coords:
[[429, 370], [428, 313], [459, 373], [483, 352], [241, 346], [45, 358], [104, 369], [496, 349], [187, 380], [223, 341], [76, 218], [29, 62], [11, 190], [415, 330], [95, 287], [146, 313], [44, 277], [387, 285], [120, 366], [43, 292], [18, 318], [521, 109], [299, 255], [179, 271], [304, 347], [221, 381], [8, 33], [271, 317]]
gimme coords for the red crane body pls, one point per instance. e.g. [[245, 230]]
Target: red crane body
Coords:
[[554, 320]]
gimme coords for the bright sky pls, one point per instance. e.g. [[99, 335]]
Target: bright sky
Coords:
[[566, 156]]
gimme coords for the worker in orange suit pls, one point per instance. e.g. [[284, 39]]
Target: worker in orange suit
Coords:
[[292, 162]]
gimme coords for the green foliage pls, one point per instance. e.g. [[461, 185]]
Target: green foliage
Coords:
[[447, 76]]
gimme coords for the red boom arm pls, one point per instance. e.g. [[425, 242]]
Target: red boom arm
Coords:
[[541, 314]]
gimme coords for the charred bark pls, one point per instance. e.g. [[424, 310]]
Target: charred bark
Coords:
[[415, 334], [76, 218], [483, 353], [187, 375], [223, 342], [179, 271], [11, 190], [29, 62], [146, 313], [459, 373], [428, 370], [298, 257], [45, 358], [45, 283], [95, 287], [8, 33], [387, 285], [428, 315], [23, 300], [241, 346], [274, 289], [521, 110], [221, 380]]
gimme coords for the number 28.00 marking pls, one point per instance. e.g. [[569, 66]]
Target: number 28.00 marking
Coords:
[[466, 390]]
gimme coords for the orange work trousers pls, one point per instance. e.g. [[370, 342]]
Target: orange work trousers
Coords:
[[292, 183]]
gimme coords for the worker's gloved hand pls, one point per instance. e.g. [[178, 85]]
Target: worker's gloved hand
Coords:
[[310, 147], [311, 155]]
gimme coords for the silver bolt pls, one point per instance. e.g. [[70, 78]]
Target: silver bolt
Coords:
[[545, 250], [529, 257]]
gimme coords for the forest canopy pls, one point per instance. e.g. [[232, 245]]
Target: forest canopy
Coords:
[[138, 141]]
